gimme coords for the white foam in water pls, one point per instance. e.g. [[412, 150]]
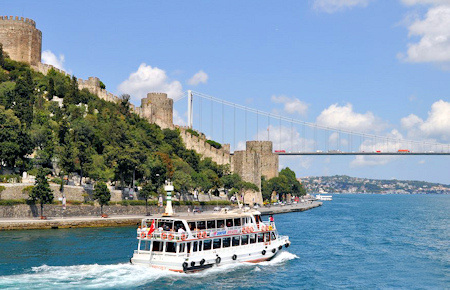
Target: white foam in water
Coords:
[[113, 276], [84, 276]]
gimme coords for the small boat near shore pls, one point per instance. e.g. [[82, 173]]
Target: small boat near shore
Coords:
[[324, 197], [197, 242]]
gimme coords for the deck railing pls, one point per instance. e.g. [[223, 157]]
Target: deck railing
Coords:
[[205, 233]]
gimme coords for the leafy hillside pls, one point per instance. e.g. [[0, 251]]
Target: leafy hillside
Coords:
[[46, 121]]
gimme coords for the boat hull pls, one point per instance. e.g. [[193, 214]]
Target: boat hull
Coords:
[[199, 261]]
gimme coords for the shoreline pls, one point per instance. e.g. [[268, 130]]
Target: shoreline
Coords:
[[119, 221]]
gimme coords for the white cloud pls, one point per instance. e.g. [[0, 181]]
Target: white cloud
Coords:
[[434, 30], [284, 138], [199, 78], [291, 105], [49, 57], [149, 79], [336, 116], [331, 6], [388, 145], [179, 120], [437, 125]]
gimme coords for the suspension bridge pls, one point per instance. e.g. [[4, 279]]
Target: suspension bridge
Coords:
[[231, 123]]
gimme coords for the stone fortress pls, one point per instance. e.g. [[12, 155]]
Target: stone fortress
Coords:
[[23, 42]]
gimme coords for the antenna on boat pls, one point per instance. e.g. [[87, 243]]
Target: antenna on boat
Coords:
[[168, 188]]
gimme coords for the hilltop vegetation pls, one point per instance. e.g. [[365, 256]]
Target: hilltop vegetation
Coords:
[[46, 121], [347, 184]]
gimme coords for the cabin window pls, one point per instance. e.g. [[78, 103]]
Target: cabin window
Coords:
[[211, 224], [194, 246], [200, 245], [179, 225], [206, 245], [226, 242], [191, 225], [236, 241], [165, 225], [229, 223], [260, 238], [201, 225], [244, 240], [181, 248], [158, 246], [188, 247], [252, 238], [144, 246], [171, 247], [273, 236], [216, 243], [220, 224], [266, 237], [237, 222]]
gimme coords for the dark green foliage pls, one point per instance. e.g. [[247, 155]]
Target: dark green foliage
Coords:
[[2, 56], [101, 140], [192, 132], [214, 144], [285, 183], [24, 98], [147, 191], [41, 191], [102, 194], [11, 202], [102, 85]]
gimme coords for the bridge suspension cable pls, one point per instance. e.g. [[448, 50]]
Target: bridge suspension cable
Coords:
[[367, 140]]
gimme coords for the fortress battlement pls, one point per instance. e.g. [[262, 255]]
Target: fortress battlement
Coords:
[[17, 19]]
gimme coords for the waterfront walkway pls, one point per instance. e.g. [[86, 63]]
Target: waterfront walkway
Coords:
[[115, 221]]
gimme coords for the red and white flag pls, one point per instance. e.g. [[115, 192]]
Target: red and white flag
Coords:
[[151, 229]]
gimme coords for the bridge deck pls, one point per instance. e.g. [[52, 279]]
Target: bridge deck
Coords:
[[362, 153]]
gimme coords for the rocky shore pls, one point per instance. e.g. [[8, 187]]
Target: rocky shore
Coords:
[[118, 220]]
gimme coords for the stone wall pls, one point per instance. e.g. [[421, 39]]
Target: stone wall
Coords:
[[269, 160], [248, 165], [51, 210], [20, 39], [198, 144], [75, 193]]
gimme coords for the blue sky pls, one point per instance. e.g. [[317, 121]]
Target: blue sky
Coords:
[[372, 66]]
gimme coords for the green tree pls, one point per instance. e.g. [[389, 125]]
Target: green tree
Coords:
[[147, 191], [51, 89], [2, 57], [14, 142], [182, 182], [41, 191], [24, 98], [102, 194], [295, 186]]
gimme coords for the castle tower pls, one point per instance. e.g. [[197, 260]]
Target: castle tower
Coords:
[[269, 160], [20, 39], [157, 108]]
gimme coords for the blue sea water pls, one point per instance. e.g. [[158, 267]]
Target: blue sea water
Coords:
[[354, 241]]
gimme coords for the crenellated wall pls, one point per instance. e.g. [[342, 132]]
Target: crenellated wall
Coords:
[[198, 143], [20, 39]]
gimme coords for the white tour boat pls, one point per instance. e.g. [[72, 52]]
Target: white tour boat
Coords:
[[195, 242]]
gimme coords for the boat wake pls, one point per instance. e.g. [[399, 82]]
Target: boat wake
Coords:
[[115, 276]]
